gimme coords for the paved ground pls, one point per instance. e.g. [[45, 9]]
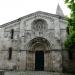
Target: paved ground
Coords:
[[35, 73]]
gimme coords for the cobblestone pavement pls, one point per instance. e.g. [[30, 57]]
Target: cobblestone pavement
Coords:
[[34, 73]]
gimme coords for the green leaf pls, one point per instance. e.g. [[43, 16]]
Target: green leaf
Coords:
[[66, 1]]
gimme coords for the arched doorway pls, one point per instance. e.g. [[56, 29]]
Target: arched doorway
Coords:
[[39, 60], [37, 54]]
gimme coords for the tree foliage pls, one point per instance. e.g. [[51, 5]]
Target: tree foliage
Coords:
[[70, 42]]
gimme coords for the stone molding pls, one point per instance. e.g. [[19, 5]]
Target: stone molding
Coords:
[[32, 14]]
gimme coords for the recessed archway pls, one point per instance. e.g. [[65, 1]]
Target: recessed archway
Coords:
[[39, 41], [38, 48]]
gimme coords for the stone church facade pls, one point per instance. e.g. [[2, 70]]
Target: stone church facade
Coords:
[[33, 42]]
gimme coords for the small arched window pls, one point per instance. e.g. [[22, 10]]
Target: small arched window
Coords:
[[10, 53], [12, 33]]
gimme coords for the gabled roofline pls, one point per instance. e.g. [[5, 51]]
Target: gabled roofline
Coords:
[[38, 12]]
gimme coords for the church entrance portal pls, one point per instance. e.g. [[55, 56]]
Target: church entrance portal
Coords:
[[38, 56], [39, 60]]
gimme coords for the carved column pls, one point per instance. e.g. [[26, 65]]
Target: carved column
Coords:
[[30, 60]]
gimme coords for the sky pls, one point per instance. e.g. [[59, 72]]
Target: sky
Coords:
[[14, 9]]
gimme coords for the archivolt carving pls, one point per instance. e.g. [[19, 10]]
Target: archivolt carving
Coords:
[[38, 42]]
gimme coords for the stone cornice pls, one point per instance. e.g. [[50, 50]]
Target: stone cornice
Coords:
[[32, 14], [6, 24]]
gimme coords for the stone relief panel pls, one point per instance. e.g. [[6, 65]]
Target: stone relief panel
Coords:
[[39, 25], [47, 61], [56, 60], [30, 63]]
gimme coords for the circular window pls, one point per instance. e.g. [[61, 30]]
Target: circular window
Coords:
[[39, 25]]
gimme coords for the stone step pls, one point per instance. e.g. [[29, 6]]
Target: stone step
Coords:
[[34, 73]]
